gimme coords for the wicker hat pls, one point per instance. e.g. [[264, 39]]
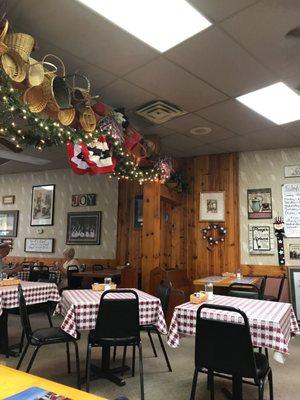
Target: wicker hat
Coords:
[[20, 43]]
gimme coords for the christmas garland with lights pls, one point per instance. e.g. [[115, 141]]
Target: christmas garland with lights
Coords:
[[24, 128], [207, 234]]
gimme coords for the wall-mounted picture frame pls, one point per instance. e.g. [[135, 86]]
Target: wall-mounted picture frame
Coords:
[[138, 211], [292, 251], [259, 203], [42, 205], [6, 200], [294, 288], [9, 241], [39, 245], [84, 227], [292, 171], [261, 239], [9, 223], [212, 206]]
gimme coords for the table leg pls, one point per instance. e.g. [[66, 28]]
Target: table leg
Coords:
[[4, 345], [105, 372]]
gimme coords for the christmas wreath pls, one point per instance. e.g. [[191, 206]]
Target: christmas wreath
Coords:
[[214, 234]]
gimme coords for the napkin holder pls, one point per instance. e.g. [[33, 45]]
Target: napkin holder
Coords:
[[100, 287]]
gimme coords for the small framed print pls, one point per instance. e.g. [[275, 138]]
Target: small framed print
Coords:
[[292, 171], [84, 227], [8, 200], [259, 203], [38, 245], [294, 287], [9, 223], [138, 211], [42, 205], [292, 251], [212, 206], [261, 239]]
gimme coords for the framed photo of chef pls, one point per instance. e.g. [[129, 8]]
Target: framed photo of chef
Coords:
[[84, 227], [42, 205]]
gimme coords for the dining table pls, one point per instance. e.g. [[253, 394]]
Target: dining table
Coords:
[[34, 293], [80, 310], [272, 324], [89, 276], [24, 275], [222, 283]]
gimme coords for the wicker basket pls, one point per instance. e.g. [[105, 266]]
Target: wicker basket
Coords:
[[10, 282], [14, 66], [35, 99], [3, 29], [88, 120], [198, 299], [100, 287], [66, 117], [21, 43]]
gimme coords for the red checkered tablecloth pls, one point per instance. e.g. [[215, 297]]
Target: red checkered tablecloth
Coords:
[[24, 275], [34, 293], [80, 309], [271, 323]]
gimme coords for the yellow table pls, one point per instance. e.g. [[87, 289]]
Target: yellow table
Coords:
[[13, 382]]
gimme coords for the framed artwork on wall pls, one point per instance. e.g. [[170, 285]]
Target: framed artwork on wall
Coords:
[[84, 227], [138, 211], [38, 245], [261, 239], [42, 205], [9, 223], [292, 251], [259, 203], [8, 199], [292, 171], [212, 206], [294, 287]]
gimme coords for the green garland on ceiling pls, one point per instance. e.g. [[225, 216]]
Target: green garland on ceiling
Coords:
[[24, 128]]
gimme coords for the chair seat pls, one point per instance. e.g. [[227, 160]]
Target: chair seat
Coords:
[[51, 335], [262, 364], [149, 327], [244, 294], [127, 341], [269, 297]]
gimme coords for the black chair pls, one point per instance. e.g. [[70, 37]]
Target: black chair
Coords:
[[97, 267], [279, 293], [163, 293], [224, 349], [117, 325], [43, 337], [74, 282], [245, 290]]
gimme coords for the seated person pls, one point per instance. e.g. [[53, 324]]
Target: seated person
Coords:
[[69, 254], [4, 251]]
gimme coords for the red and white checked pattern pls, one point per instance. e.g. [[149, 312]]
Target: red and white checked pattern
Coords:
[[34, 293], [271, 323], [80, 309], [24, 275]]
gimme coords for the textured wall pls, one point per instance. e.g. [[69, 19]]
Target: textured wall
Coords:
[[263, 169], [67, 183]]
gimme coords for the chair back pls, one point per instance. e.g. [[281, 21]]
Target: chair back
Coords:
[[224, 347], [281, 286], [97, 267], [24, 314], [34, 274], [118, 318], [74, 282], [52, 277], [246, 290], [163, 293], [262, 287]]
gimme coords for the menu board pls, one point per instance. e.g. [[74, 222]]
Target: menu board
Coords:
[[291, 209]]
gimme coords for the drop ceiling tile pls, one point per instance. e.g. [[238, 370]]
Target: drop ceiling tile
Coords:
[[158, 130], [235, 116], [83, 32], [219, 10], [207, 149], [217, 59], [175, 85], [185, 123], [261, 29], [123, 94], [180, 142], [292, 128]]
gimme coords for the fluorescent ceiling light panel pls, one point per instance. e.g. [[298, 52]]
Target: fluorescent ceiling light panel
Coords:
[[276, 102], [161, 24]]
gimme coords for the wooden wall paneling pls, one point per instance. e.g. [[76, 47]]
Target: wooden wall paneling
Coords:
[[150, 232]]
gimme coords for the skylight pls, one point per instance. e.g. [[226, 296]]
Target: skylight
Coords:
[[276, 102], [161, 24]]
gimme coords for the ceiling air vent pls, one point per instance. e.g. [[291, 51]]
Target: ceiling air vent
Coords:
[[159, 112]]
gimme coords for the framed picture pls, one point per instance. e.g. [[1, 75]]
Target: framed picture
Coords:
[[42, 205], [138, 211], [294, 286], [84, 227], [259, 203], [212, 206], [292, 171], [8, 200], [9, 223], [261, 239], [7, 240], [38, 245], [292, 251]]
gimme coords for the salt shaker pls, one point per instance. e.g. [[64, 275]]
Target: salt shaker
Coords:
[[209, 290]]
